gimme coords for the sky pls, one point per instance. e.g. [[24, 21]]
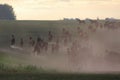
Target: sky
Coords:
[[59, 9]]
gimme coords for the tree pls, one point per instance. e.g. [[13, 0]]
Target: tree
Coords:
[[6, 12]]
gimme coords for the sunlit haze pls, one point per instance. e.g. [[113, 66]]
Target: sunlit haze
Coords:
[[59, 9]]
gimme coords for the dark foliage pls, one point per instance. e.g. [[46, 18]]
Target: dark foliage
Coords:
[[6, 12]]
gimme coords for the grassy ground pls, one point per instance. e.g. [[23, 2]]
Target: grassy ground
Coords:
[[10, 59], [30, 72], [38, 76], [12, 63]]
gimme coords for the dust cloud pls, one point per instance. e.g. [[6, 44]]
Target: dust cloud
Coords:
[[99, 53]]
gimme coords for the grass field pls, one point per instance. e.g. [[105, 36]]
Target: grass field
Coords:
[[17, 64], [32, 76], [31, 28]]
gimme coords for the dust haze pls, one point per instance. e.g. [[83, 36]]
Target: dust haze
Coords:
[[92, 50]]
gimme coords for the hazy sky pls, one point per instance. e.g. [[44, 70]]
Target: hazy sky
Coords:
[[59, 9]]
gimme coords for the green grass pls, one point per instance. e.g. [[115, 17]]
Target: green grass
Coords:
[[39, 76], [31, 72], [22, 69], [10, 64], [6, 58]]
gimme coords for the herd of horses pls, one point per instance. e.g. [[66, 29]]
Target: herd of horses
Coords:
[[72, 43]]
